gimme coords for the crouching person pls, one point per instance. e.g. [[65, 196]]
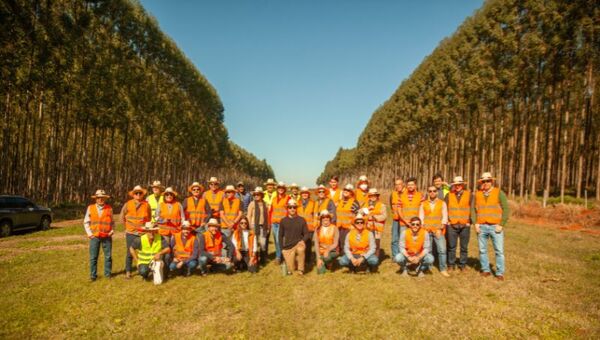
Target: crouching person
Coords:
[[216, 249], [148, 252], [185, 250], [326, 242], [414, 245], [359, 248], [246, 249]]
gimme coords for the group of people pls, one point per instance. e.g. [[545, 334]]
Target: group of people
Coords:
[[229, 229]]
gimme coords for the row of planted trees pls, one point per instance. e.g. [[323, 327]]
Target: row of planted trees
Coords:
[[513, 91], [95, 95]]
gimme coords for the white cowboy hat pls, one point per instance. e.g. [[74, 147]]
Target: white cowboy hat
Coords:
[[138, 188], [363, 178], [324, 213], [458, 180], [373, 192], [213, 222], [229, 188], [270, 181], [321, 187], [157, 184], [170, 190], [281, 185], [213, 180], [100, 194], [294, 185], [304, 189], [258, 191], [292, 202], [486, 176], [359, 216], [195, 185], [349, 187]]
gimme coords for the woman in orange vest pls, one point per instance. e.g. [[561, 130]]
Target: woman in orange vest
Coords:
[[277, 212], [325, 203], [98, 223], [169, 216], [214, 197], [359, 248], [196, 208], [346, 211], [459, 202], [434, 214], [258, 215], [415, 245], [376, 217], [326, 240], [185, 250], [245, 246], [230, 211], [490, 213], [396, 207], [215, 248], [134, 215], [362, 190]]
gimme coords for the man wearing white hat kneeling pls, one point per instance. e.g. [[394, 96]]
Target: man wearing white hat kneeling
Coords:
[[148, 252], [359, 248], [216, 249], [99, 225]]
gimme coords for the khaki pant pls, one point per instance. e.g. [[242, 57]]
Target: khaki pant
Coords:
[[297, 253]]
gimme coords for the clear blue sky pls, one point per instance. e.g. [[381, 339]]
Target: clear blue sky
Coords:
[[300, 79]]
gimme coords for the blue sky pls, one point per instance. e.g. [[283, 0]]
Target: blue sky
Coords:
[[300, 79]]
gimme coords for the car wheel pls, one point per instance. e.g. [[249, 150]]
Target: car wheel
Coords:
[[5, 229], [45, 224]]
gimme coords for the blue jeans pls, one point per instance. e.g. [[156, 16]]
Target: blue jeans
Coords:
[[275, 232], [188, 265], [488, 231], [95, 243], [372, 261], [440, 245], [426, 261], [203, 262], [129, 239], [395, 237]]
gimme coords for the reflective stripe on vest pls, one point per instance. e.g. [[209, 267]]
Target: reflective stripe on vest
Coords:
[[214, 247], [181, 251], [344, 214], [101, 225], [237, 238], [195, 213], [374, 224], [358, 246], [279, 208], [361, 197], [326, 236], [136, 218], [214, 200], [395, 198], [410, 208], [459, 211], [432, 218], [231, 210], [171, 220], [154, 205], [414, 247], [146, 254], [488, 211], [308, 213]]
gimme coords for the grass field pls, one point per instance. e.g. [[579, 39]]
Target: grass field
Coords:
[[552, 290]]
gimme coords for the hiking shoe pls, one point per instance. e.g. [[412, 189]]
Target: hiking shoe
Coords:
[[485, 274], [445, 273], [404, 273], [420, 274], [500, 277]]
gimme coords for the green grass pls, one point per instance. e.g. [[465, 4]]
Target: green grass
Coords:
[[552, 290]]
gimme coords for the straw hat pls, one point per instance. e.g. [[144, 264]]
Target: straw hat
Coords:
[[258, 191], [157, 184], [149, 226], [229, 188], [304, 189], [213, 180], [138, 188], [294, 185], [100, 194], [486, 176], [458, 180], [270, 181], [213, 222], [195, 185], [373, 192], [170, 190], [324, 213]]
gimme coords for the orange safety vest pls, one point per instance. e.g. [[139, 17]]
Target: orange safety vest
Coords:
[[458, 212], [308, 213], [337, 195], [214, 247], [361, 245], [488, 211], [326, 236], [432, 219], [278, 208], [136, 218], [231, 210], [184, 252], [374, 224], [361, 197], [171, 219], [410, 208], [344, 214], [395, 198], [214, 199], [101, 225], [196, 213], [414, 247], [237, 238]]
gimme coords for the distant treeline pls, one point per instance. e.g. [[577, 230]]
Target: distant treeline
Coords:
[[94, 95], [513, 91]]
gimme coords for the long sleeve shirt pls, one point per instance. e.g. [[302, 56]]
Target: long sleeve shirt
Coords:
[[207, 208], [371, 251], [432, 205], [87, 220], [292, 230], [226, 240], [402, 242], [195, 247], [503, 204], [333, 246], [255, 208], [169, 206]]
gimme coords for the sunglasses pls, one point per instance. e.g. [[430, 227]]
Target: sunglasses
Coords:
[[167, 195], [359, 222], [138, 193], [415, 224], [432, 190], [292, 207], [243, 223], [486, 181], [195, 189], [211, 184]]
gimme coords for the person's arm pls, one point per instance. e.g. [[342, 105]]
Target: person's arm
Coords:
[[336, 239], [208, 210], [281, 232], [332, 211], [238, 217], [184, 204], [402, 243], [86, 223], [347, 251], [444, 213], [355, 207], [254, 245], [426, 245], [473, 209], [421, 212], [505, 208], [181, 212], [372, 247], [165, 246], [136, 245], [250, 214], [316, 243], [305, 234]]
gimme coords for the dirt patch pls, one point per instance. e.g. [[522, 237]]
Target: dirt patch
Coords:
[[567, 217]]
